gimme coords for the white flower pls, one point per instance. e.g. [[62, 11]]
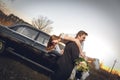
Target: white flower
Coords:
[[81, 64]]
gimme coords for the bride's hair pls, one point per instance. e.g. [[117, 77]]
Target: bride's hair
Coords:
[[50, 44]]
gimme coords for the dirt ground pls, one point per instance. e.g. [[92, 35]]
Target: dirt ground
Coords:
[[10, 69]]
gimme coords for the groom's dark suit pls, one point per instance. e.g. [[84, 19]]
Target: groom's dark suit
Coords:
[[66, 62]]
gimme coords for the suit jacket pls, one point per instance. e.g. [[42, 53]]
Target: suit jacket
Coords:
[[66, 62]]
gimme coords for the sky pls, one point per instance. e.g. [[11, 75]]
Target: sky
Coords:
[[99, 18]]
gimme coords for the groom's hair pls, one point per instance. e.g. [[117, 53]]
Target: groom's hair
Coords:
[[81, 32]]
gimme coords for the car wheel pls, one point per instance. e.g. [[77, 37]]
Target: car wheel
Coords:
[[2, 46]]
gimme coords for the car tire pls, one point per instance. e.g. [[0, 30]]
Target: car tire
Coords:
[[2, 46]]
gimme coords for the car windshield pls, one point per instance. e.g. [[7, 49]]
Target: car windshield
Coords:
[[28, 32]]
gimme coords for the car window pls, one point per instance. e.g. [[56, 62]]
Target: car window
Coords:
[[43, 39], [28, 32], [61, 45]]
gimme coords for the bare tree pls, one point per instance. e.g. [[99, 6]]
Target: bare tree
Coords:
[[42, 23]]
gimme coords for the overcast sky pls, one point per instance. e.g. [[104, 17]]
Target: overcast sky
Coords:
[[100, 18]]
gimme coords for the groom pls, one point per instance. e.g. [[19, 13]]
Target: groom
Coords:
[[66, 61]]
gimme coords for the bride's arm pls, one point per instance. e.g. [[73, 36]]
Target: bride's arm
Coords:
[[69, 38]]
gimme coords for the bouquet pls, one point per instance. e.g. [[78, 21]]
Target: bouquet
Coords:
[[81, 67], [81, 64]]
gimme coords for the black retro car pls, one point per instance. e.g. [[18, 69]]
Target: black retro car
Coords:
[[29, 44]]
